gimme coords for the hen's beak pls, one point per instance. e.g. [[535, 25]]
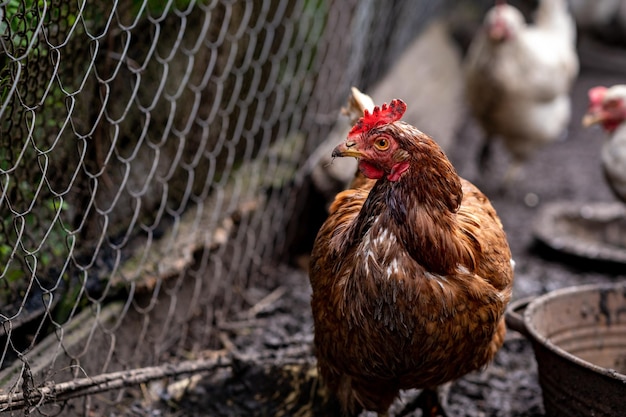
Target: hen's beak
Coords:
[[347, 148], [590, 119]]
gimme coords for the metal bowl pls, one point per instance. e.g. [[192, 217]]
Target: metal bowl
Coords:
[[591, 231], [579, 339]]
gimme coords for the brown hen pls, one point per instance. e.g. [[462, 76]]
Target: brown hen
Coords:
[[411, 272]]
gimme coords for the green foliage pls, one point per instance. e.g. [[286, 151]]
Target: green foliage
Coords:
[[37, 233], [19, 25]]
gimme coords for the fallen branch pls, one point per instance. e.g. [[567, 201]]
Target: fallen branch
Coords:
[[265, 303], [114, 380], [211, 360]]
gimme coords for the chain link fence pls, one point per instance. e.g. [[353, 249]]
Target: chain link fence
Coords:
[[152, 155]]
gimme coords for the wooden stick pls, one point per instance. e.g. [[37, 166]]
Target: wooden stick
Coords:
[[104, 382]]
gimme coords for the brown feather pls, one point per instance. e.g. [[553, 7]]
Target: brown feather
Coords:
[[410, 280]]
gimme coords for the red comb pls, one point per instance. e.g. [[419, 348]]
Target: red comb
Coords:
[[380, 116], [596, 95]]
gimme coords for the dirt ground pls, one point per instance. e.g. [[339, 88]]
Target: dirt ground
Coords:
[[273, 371], [567, 170]]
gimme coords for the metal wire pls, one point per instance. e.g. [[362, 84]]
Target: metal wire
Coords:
[[147, 157]]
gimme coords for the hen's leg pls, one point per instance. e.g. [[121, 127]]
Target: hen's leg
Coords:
[[431, 401], [484, 155], [431, 406]]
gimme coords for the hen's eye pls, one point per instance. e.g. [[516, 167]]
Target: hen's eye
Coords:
[[382, 143]]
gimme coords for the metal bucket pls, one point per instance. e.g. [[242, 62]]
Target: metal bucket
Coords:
[[579, 339]]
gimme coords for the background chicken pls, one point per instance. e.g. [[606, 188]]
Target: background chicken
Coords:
[[607, 107], [411, 273], [518, 78], [603, 18]]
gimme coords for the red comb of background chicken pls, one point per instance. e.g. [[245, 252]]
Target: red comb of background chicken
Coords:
[[596, 95], [380, 116]]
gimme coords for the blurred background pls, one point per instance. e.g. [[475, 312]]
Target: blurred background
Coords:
[[165, 166]]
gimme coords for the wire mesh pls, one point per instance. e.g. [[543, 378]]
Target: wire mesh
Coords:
[[150, 160]]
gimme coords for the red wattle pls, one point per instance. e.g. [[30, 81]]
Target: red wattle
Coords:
[[370, 170]]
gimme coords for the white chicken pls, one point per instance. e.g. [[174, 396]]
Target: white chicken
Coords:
[[607, 107], [518, 79]]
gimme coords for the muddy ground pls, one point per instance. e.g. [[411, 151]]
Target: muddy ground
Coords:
[[567, 170], [270, 367], [273, 369]]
